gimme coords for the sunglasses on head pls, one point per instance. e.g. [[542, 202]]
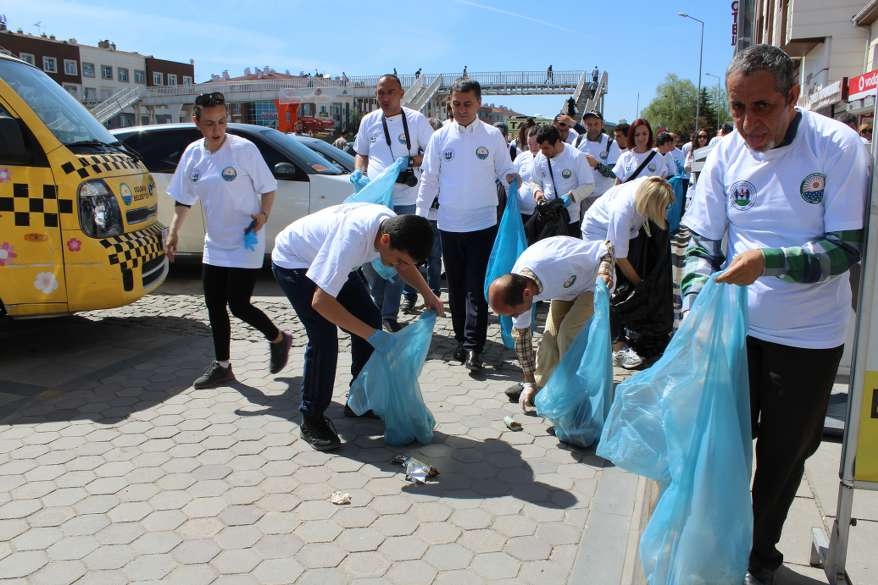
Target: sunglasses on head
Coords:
[[213, 98]]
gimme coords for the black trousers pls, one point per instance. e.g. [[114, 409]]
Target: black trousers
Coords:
[[789, 393], [232, 287], [466, 262]]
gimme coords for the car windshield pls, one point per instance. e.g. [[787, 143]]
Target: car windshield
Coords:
[[311, 161], [68, 120], [336, 155]]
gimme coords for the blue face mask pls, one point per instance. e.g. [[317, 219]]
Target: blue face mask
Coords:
[[385, 272]]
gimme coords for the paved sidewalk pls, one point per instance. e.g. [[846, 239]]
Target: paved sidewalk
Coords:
[[113, 469]]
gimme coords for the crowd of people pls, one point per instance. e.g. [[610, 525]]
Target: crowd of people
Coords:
[[784, 189]]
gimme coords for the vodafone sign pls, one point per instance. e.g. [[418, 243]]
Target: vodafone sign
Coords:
[[862, 85]]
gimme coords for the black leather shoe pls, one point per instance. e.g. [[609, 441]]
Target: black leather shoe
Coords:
[[317, 431], [459, 353], [514, 392], [474, 361], [391, 325]]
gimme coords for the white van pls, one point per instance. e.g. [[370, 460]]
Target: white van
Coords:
[[306, 181]]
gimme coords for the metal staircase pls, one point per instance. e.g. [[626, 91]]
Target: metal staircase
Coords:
[[116, 103], [426, 94], [412, 91], [581, 95], [596, 99]]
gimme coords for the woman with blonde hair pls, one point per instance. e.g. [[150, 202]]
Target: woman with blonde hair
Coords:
[[619, 216]]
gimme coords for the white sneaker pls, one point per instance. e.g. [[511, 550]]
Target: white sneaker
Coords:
[[629, 359]]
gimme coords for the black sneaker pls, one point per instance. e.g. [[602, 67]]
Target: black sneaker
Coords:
[[349, 412], [317, 431], [474, 361], [408, 306], [391, 325], [459, 353], [215, 375], [514, 392], [280, 353]]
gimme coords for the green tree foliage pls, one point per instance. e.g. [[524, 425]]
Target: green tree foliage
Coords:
[[674, 106]]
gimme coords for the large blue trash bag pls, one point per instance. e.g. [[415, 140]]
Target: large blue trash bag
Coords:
[[388, 385], [508, 246], [579, 392], [686, 423], [380, 189], [675, 213]]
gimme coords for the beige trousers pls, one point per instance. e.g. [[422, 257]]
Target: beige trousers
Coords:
[[566, 319]]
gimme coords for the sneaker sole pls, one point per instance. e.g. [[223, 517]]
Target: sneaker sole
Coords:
[[217, 384]]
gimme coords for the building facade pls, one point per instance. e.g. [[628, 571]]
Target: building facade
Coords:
[[59, 59]]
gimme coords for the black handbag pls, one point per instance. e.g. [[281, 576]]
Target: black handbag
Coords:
[[550, 218]]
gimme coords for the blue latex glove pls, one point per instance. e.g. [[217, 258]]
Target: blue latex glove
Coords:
[[251, 240], [381, 341], [566, 200], [407, 164]]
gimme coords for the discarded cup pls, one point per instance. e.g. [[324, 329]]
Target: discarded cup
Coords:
[[511, 423], [416, 471], [340, 498]]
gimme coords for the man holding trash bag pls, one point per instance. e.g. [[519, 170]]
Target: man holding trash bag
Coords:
[[561, 269], [788, 190], [316, 260]]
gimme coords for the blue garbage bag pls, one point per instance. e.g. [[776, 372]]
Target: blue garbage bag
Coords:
[[675, 213], [686, 423], [579, 392], [380, 189], [358, 180], [508, 246], [388, 385]]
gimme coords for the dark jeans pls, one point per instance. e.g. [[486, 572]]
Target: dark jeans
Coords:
[[466, 257], [232, 287], [789, 393], [321, 353], [434, 261]]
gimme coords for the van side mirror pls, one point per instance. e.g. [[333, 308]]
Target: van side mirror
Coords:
[[13, 150], [285, 170]]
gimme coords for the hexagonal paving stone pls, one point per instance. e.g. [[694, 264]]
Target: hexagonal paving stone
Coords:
[[241, 515], [447, 557], [437, 532], [170, 500], [114, 556], [462, 577], [58, 573], [316, 510], [106, 485], [395, 524], [156, 542], [360, 540], [557, 533], [235, 561], [365, 564], [96, 504], [196, 551], [103, 578], [495, 565], [73, 548], [19, 509], [243, 495], [163, 520], [139, 492], [513, 526], [119, 533], [37, 538], [543, 572], [34, 490], [150, 567], [204, 507], [411, 573], [320, 555], [403, 548], [51, 516], [22, 564], [238, 537], [278, 571], [318, 531], [9, 529], [278, 522], [278, 546], [191, 575], [483, 541], [129, 512], [354, 517], [528, 548], [471, 519]]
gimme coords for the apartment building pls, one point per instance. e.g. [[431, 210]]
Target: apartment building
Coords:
[[58, 58]]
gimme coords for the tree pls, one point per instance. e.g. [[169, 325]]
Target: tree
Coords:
[[674, 105]]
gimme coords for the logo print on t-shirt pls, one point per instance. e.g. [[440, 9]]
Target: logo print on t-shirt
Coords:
[[482, 153], [570, 280], [194, 176], [401, 138], [373, 139], [651, 167], [229, 174], [742, 195], [448, 154], [566, 173], [812, 188]]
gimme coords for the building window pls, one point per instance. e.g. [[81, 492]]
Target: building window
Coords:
[[70, 67], [50, 64], [157, 78], [123, 74], [28, 57], [72, 90], [88, 69], [107, 72], [91, 95], [140, 76], [172, 79], [187, 80]]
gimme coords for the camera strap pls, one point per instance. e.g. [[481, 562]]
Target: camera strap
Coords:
[[405, 129], [552, 174]]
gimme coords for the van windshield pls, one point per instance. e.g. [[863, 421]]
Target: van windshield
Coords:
[[312, 162], [68, 120]]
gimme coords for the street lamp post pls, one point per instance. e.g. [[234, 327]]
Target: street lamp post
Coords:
[[700, 57], [718, 96]]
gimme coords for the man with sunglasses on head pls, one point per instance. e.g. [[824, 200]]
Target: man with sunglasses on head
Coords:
[[236, 188], [385, 135], [565, 125]]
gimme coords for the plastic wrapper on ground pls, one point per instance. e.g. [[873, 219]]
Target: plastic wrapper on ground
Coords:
[[579, 392], [388, 385], [508, 246], [685, 422]]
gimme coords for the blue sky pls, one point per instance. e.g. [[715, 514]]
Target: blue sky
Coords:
[[638, 41]]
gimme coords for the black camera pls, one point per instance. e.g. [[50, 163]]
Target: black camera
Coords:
[[407, 177]]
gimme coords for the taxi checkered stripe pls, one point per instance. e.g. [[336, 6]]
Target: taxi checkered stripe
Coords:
[[101, 163], [35, 208], [131, 250]]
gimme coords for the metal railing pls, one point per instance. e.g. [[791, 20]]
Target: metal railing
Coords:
[[116, 103]]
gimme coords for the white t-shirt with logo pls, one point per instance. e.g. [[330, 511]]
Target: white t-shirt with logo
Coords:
[[630, 160], [570, 170], [524, 166], [372, 142], [784, 197], [674, 163], [461, 167], [566, 267], [572, 135], [230, 183], [331, 243], [614, 217], [598, 149]]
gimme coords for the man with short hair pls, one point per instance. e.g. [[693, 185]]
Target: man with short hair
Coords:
[[565, 124], [385, 135], [462, 163], [788, 191], [620, 133], [561, 172], [562, 270], [315, 261], [236, 188], [601, 153]]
